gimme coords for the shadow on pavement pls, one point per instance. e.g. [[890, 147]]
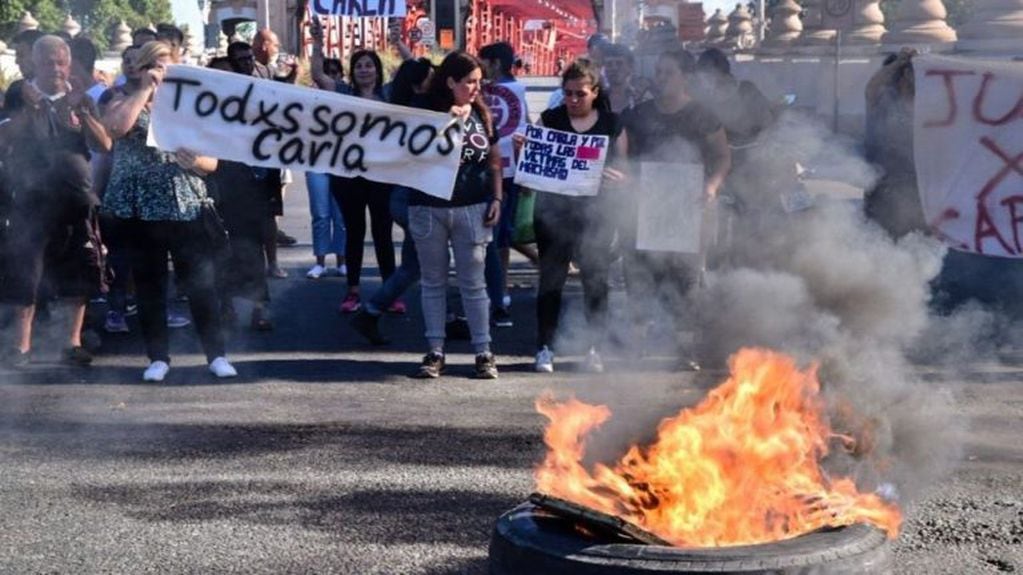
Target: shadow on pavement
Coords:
[[502, 447]]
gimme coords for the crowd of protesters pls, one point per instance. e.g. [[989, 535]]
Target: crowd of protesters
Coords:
[[91, 209]]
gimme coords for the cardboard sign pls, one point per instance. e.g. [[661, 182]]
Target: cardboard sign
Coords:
[[968, 146], [670, 207], [358, 8], [561, 162], [278, 125]]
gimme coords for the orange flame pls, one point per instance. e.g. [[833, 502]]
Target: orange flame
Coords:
[[742, 467]]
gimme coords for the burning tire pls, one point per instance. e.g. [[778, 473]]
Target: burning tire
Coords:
[[531, 540]]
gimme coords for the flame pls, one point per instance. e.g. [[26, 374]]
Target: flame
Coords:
[[742, 467]]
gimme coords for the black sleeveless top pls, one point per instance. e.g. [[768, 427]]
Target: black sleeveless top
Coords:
[[608, 124]]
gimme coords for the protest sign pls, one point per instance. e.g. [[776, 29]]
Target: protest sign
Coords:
[[968, 147], [278, 125], [670, 207], [561, 162], [358, 8]]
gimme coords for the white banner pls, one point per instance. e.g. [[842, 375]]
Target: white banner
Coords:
[[968, 147], [670, 207], [278, 125], [359, 8], [561, 162]]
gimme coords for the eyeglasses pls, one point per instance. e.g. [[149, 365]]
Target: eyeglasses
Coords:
[[579, 94]]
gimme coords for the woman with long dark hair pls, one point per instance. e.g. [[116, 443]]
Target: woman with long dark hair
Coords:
[[580, 228], [407, 89], [356, 195], [158, 198], [463, 223]]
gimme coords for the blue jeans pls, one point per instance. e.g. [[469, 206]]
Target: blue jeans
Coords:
[[407, 273], [328, 226], [503, 232]]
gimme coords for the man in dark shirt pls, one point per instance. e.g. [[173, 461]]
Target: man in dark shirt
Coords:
[[22, 45], [51, 229]]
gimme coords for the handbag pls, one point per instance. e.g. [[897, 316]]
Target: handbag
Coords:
[[524, 233]]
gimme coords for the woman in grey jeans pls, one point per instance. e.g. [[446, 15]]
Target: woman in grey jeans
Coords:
[[465, 222]]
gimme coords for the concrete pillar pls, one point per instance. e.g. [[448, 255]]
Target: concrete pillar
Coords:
[[996, 24], [27, 22], [717, 26], [814, 32], [920, 22], [868, 23], [739, 33], [785, 25], [71, 27], [121, 38]]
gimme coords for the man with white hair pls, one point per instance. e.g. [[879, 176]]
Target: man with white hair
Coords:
[[51, 226]]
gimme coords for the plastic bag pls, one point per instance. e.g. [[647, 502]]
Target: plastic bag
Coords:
[[524, 232]]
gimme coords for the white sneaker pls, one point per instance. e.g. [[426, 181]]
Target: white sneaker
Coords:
[[544, 360], [315, 272], [220, 367], [156, 371], [594, 363]]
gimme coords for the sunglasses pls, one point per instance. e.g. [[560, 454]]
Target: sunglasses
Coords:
[[580, 94]]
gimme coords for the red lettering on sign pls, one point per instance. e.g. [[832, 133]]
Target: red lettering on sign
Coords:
[[978, 105], [950, 91], [1015, 218]]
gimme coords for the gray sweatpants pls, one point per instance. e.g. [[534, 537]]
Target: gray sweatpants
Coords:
[[433, 230]]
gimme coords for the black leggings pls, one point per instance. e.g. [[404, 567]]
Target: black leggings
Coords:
[[571, 229], [353, 196], [193, 264]]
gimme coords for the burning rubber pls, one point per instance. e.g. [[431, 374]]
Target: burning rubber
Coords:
[[531, 540]]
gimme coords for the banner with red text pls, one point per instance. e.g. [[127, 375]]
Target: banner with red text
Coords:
[[279, 125], [968, 148]]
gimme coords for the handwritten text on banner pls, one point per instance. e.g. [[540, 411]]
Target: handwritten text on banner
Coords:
[[968, 148], [278, 125], [358, 8], [561, 162]]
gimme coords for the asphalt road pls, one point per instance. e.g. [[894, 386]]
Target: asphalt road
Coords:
[[322, 457]]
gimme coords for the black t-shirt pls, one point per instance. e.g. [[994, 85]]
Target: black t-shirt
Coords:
[[679, 137], [49, 152], [473, 184], [13, 100]]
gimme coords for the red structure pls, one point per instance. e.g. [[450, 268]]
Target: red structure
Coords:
[[542, 31]]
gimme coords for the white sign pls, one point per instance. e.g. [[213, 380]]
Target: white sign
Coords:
[[561, 162], [279, 125], [670, 207], [968, 146], [429, 31], [358, 8]]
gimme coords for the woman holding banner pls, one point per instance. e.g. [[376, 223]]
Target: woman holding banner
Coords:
[[463, 223], [577, 228], [158, 199], [356, 195], [677, 144]]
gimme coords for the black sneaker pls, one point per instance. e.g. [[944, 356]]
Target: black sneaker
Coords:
[[458, 329], [501, 317], [285, 240], [77, 355], [16, 358], [368, 326], [432, 367], [486, 366]]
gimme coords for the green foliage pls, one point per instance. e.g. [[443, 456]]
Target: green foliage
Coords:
[[97, 17]]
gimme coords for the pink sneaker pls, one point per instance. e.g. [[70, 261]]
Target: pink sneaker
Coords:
[[351, 303], [397, 307]]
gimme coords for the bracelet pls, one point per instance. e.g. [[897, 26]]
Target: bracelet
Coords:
[[499, 200]]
